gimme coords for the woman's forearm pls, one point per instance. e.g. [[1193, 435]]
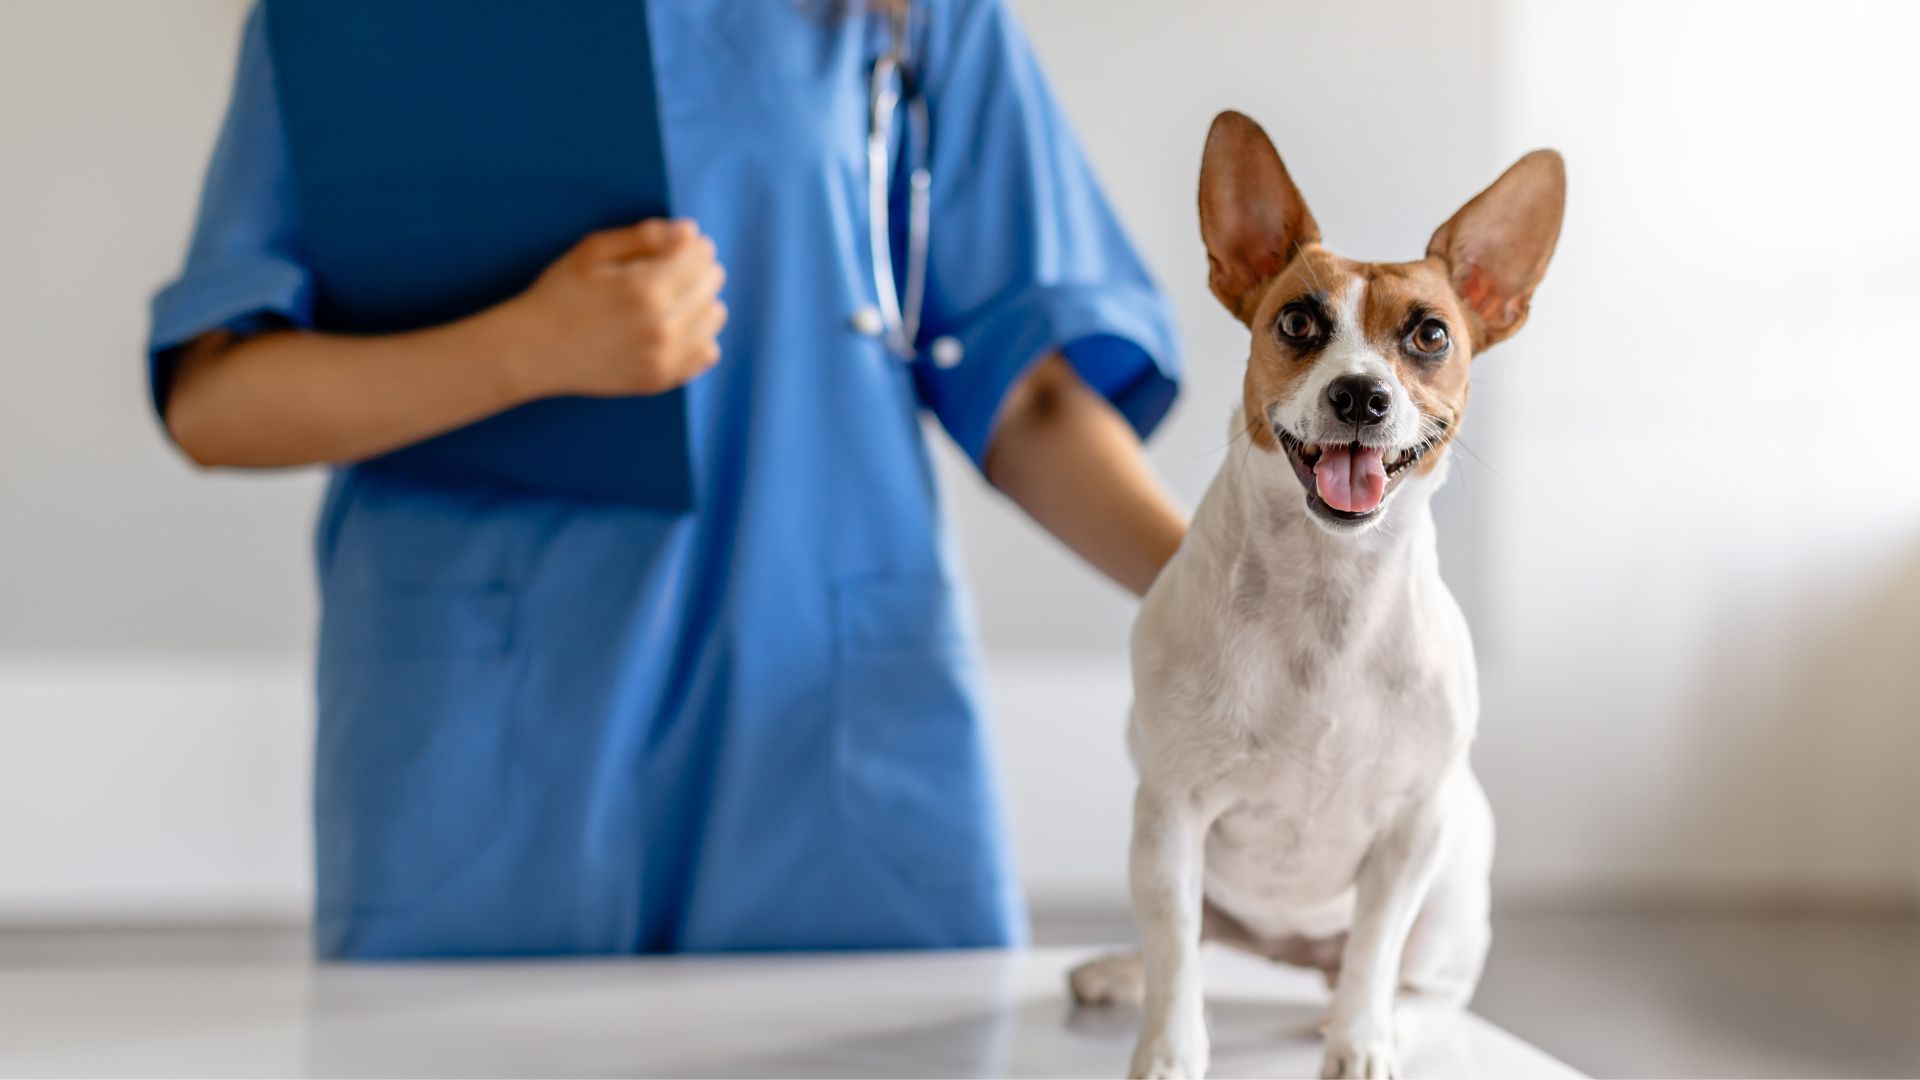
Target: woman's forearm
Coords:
[[632, 310], [300, 398], [1075, 466]]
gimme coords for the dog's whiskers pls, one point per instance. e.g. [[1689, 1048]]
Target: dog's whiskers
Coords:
[[1482, 462], [1244, 432]]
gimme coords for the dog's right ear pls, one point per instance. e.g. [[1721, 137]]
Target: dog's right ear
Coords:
[[1252, 218]]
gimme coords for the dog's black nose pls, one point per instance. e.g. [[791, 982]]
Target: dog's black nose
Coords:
[[1360, 399]]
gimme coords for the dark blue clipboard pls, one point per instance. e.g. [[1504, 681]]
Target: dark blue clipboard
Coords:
[[445, 152]]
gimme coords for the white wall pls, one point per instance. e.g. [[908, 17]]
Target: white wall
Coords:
[[152, 720], [1704, 686], [1704, 507]]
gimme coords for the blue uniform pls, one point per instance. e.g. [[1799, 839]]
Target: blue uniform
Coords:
[[550, 727]]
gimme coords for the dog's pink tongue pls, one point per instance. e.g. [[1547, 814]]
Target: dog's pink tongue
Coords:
[[1350, 479]]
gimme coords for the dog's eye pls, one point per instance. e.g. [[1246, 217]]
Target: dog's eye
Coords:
[[1297, 323], [1430, 338]]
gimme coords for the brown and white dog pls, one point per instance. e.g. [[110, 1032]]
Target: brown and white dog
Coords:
[[1304, 684]]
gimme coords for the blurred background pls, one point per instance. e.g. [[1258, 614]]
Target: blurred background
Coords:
[[1685, 524]]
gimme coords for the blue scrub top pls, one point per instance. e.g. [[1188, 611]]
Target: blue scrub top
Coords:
[[548, 727]]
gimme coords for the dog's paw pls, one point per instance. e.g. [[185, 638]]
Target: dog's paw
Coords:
[[1114, 979], [1170, 1059], [1364, 1058]]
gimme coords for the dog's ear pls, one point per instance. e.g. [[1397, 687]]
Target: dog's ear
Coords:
[[1496, 248], [1252, 218]]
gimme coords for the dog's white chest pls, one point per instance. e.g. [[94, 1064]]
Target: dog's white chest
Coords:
[[1326, 768]]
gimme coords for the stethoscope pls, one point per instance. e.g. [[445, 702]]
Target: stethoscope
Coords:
[[896, 320]]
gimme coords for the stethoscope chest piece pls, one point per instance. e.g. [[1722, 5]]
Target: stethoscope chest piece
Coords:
[[866, 322], [945, 351]]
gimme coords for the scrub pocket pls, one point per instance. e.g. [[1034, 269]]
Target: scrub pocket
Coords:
[[912, 765], [417, 691]]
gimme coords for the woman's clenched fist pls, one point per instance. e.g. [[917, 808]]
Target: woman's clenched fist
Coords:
[[633, 310]]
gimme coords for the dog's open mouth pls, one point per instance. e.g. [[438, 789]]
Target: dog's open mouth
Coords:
[[1349, 482]]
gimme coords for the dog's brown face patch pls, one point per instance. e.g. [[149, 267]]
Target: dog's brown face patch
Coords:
[[1408, 313]]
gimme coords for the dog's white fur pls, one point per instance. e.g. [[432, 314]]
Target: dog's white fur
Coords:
[[1304, 686], [1304, 701]]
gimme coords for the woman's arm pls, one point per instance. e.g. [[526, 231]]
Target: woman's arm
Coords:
[[627, 311], [1074, 465]]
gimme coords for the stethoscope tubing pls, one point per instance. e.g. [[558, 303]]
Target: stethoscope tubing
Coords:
[[893, 86]]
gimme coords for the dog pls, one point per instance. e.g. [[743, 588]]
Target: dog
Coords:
[[1304, 684]]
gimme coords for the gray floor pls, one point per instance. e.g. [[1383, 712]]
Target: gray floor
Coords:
[[1615, 995], [1711, 996]]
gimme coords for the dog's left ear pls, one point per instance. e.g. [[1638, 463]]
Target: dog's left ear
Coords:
[[1497, 247]]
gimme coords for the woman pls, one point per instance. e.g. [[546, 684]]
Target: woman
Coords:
[[553, 726]]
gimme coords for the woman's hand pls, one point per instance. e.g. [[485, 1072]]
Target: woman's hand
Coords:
[[634, 310]]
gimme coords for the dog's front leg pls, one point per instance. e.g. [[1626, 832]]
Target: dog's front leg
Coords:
[[1393, 879], [1169, 831]]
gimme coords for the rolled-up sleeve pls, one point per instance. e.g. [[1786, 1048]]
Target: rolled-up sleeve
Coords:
[[1026, 257], [243, 263]]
